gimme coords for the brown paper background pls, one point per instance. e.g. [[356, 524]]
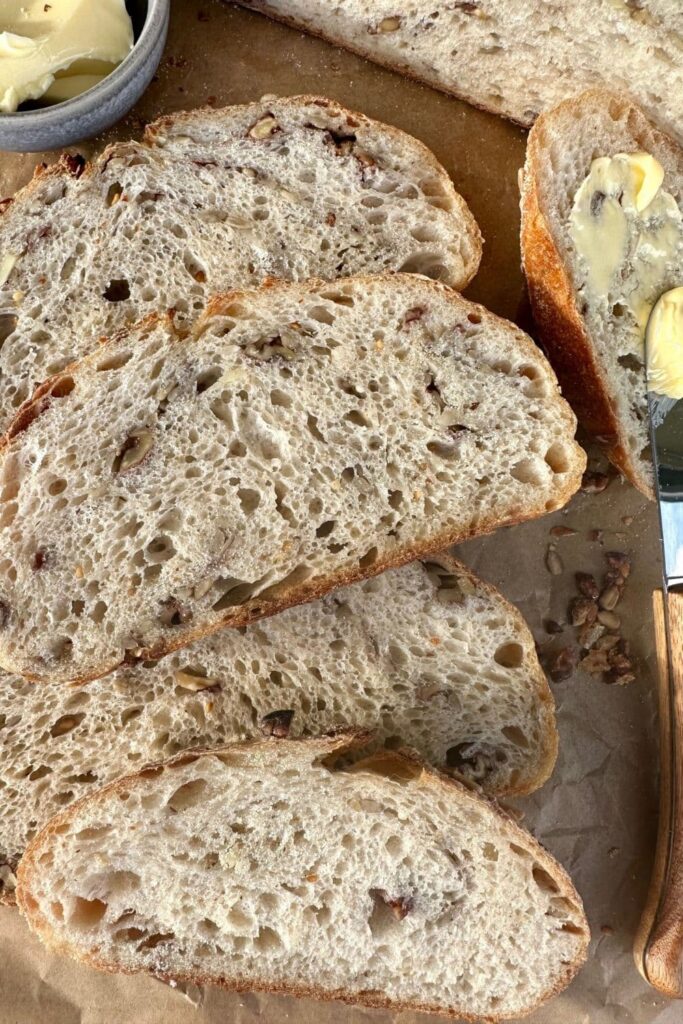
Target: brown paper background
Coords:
[[598, 813]]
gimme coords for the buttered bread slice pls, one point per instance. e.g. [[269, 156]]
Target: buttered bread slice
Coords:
[[602, 242], [211, 200], [301, 437]]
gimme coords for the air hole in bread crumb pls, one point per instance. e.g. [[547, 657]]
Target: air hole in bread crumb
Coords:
[[326, 528], [556, 457], [118, 290], [340, 298], [490, 852], [86, 913], [630, 362], [267, 940], [510, 655], [321, 314], [543, 880], [113, 362], [8, 323], [207, 379], [188, 795], [516, 736], [155, 940], [369, 558], [527, 471], [249, 500]]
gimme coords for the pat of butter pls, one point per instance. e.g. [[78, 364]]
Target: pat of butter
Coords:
[[664, 342], [38, 40], [628, 234]]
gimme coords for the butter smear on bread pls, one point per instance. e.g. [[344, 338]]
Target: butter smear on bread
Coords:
[[621, 214]]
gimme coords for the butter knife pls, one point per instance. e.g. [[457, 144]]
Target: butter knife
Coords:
[[658, 946]]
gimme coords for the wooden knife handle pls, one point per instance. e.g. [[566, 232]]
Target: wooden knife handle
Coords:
[[658, 946]]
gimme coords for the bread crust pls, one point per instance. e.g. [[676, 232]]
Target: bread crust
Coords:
[[323, 749], [553, 298], [378, 58], [258, 607]]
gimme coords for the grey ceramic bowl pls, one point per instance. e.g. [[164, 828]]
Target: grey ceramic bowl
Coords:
[[53, 127]]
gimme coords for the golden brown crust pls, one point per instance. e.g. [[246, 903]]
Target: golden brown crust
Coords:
[[258, 607], [327, 746], [553, 298]]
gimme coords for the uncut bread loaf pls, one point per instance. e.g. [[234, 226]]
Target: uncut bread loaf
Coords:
[[301, 437], [595, 341], [512, 57], [427, 656], [260, 866], [211, 200]]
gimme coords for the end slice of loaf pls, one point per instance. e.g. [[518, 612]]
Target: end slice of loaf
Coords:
[[427, 656], [215, 199], [302, 437], [595, 346], [512, 57], [259, 866]]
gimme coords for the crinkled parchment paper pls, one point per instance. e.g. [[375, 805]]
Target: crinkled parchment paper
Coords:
[[598, 812]]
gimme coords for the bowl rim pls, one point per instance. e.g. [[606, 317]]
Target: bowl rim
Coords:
[[110, 83]]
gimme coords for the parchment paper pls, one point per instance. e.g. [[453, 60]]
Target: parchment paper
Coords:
[[598, 812]]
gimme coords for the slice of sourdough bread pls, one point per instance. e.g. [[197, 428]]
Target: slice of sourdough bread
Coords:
[[512, 57], [211, 200], [427, 656], [595, 341], [260, 866], [302, 437]]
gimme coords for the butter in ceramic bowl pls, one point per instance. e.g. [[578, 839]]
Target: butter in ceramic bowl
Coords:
[[53, 51]]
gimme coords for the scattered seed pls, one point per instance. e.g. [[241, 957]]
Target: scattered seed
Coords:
[[553, 562], [620, 678], [619, 562], [551, 626], [562, 531], [627, 520], [586, 585], [609, 619], [595, 535], [594, 483], [590, 634], [607, 929], [562, 665], [595, 662], [610, 596], [608, 642], [582, 610]]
